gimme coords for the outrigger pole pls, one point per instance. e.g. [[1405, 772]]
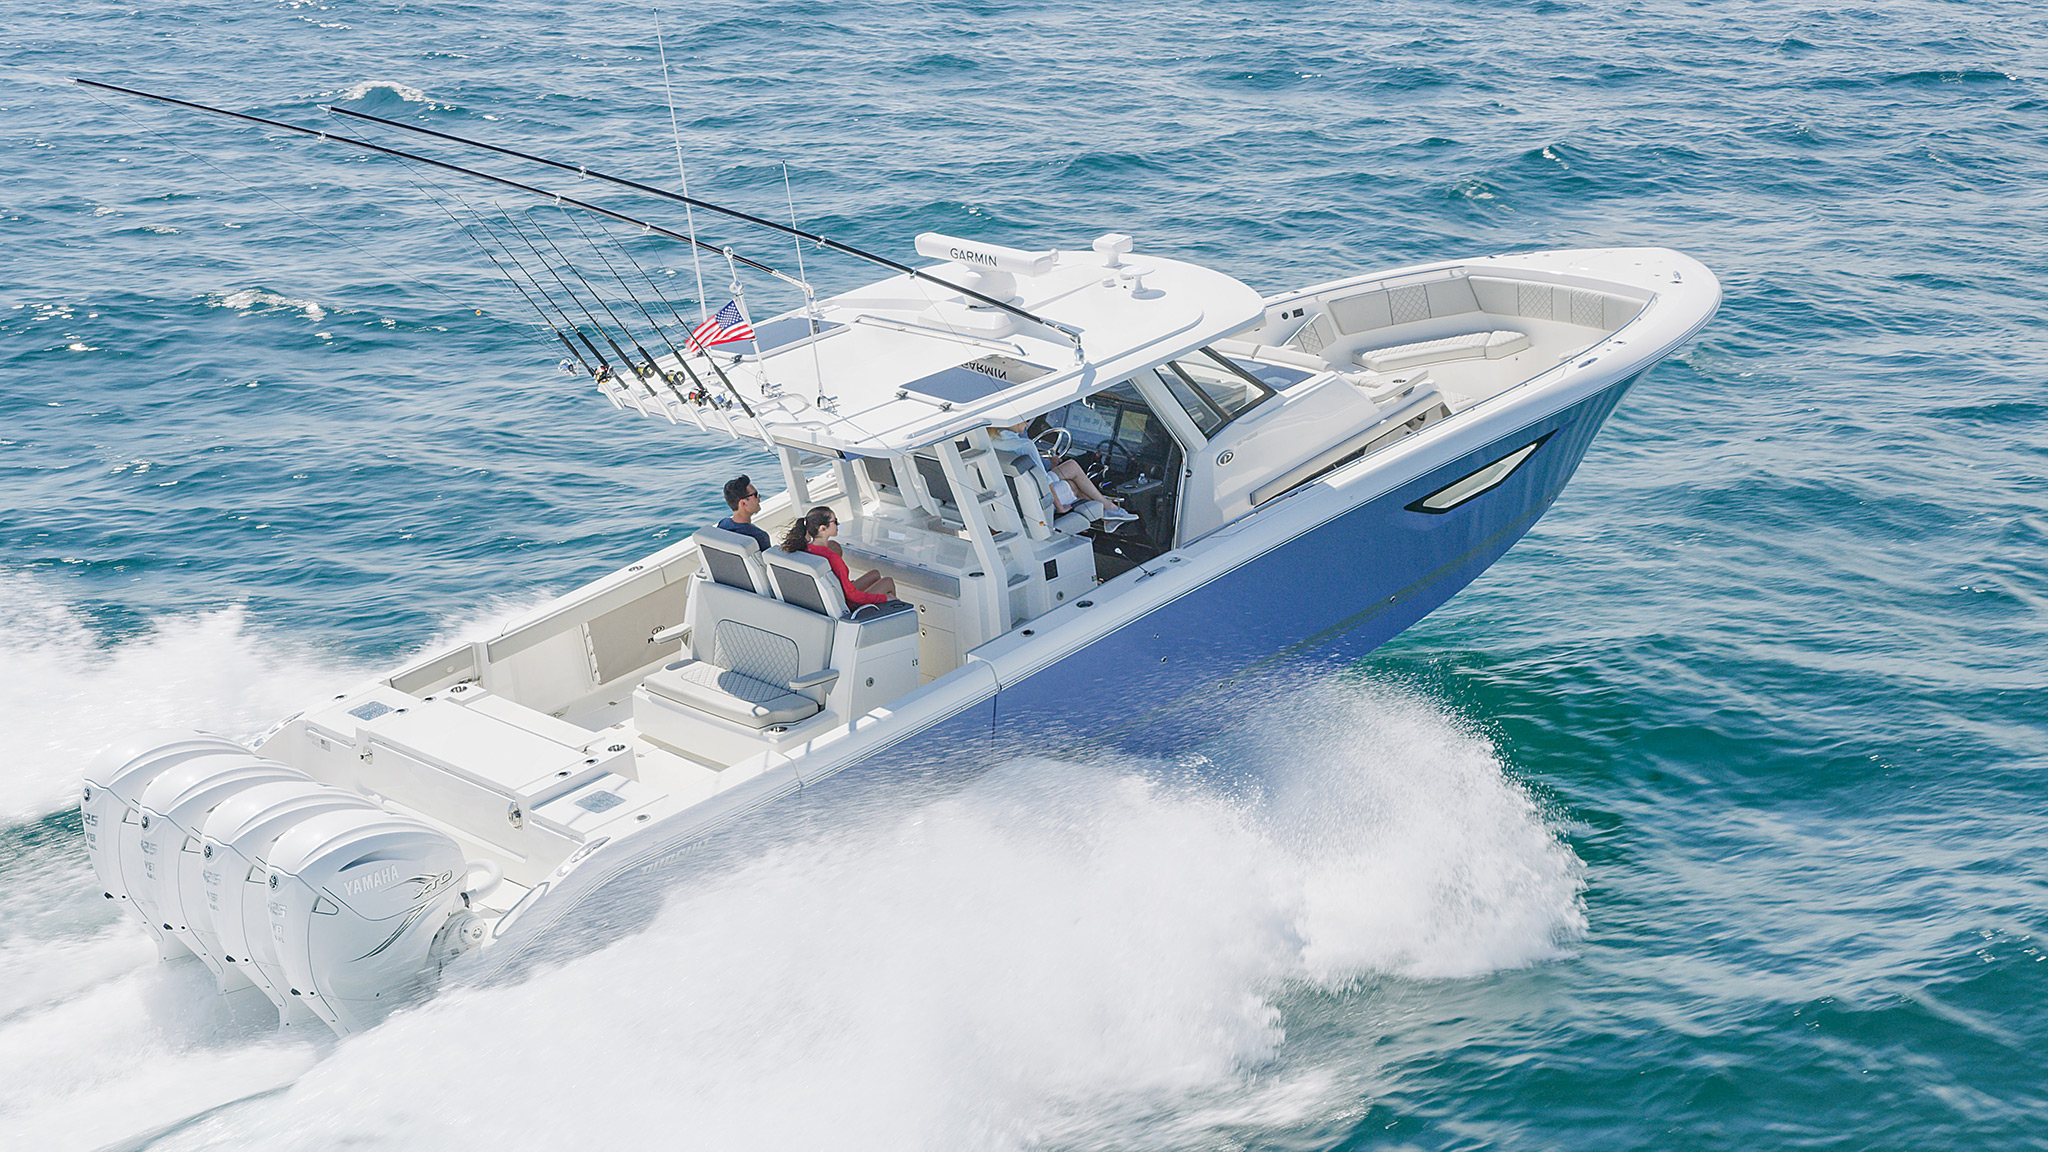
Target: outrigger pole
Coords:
[[746, 217], [445, 166], [500, 180], [1072, 334]]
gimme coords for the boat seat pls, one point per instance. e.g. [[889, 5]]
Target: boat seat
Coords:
[[732, 694], [733, 560], [806, 581], [752, 660], [1032, 484], [1035, 496], [1466, 346]]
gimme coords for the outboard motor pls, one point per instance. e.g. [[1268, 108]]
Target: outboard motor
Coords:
[[231, 880], [357, 900], [113, 798], [173, 809]]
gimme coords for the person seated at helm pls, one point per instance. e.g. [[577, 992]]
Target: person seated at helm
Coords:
[[1071, 484], [814, 534], [745, 501]]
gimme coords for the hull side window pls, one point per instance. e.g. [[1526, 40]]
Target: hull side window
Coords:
[[1478, 483]]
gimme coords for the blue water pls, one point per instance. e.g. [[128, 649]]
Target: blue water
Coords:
[[1711, 817]]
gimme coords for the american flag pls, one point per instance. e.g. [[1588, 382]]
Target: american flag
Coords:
[[725, 326]]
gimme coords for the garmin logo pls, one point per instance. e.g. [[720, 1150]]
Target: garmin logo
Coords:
[[378, 879], [992, 257], [987, 369]]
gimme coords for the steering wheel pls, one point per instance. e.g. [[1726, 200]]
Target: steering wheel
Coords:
[[1054, 443]]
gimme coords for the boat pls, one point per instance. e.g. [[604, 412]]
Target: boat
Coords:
[[1300, 476]]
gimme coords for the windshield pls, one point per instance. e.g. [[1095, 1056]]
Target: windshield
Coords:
[[1213, 390]]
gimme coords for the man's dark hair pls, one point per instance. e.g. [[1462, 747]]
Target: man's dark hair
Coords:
[[736, 491]]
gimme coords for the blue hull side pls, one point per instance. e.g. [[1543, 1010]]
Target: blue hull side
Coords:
[[1332, 594]]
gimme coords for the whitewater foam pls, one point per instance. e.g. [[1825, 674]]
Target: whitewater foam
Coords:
[[255, 299], [74, 695], [216, 670], [98, 1041], [1055, 952], [137, 1047]]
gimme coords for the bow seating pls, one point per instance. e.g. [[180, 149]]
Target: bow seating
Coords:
[[1491, 345]]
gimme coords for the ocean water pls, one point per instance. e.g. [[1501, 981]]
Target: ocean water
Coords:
[[1713, 816]]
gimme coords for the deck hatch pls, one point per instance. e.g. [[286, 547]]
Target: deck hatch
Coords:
[[788, 330]]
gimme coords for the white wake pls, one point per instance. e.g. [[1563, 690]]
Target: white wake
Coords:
[[1056, 952]]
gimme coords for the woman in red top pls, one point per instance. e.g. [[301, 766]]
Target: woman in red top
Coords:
[[813, 534]]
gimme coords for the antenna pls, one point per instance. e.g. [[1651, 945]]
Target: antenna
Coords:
[[810, 299], [676, 132]]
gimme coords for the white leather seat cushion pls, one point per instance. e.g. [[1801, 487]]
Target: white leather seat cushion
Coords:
[[1468, 346], [731, 695]]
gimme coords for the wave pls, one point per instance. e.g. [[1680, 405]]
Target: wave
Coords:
[[214, 670], [387, 91], [258, 300], [1056, 951]]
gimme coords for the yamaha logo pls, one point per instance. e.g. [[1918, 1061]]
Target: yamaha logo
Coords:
[[374, 881]]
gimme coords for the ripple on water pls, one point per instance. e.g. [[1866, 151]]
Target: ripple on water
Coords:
[[1764, 682]]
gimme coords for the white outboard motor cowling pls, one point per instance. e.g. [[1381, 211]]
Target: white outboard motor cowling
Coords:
[[173, 809], [233, 880], [356, 900], [113, 797]]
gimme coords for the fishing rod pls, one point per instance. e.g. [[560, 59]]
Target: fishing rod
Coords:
[[653, 364], [680, 357], [720, 372], [531, 303], [603, 373], [447, 167], [646, 357], [608, 375], [746, 217], [682, 360], [651, 321], [527, 296], [624, 359]]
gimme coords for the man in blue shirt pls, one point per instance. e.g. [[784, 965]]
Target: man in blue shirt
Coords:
[[744, 500]]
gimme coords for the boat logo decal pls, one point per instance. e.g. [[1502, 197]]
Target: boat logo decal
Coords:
[[379, 879]]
